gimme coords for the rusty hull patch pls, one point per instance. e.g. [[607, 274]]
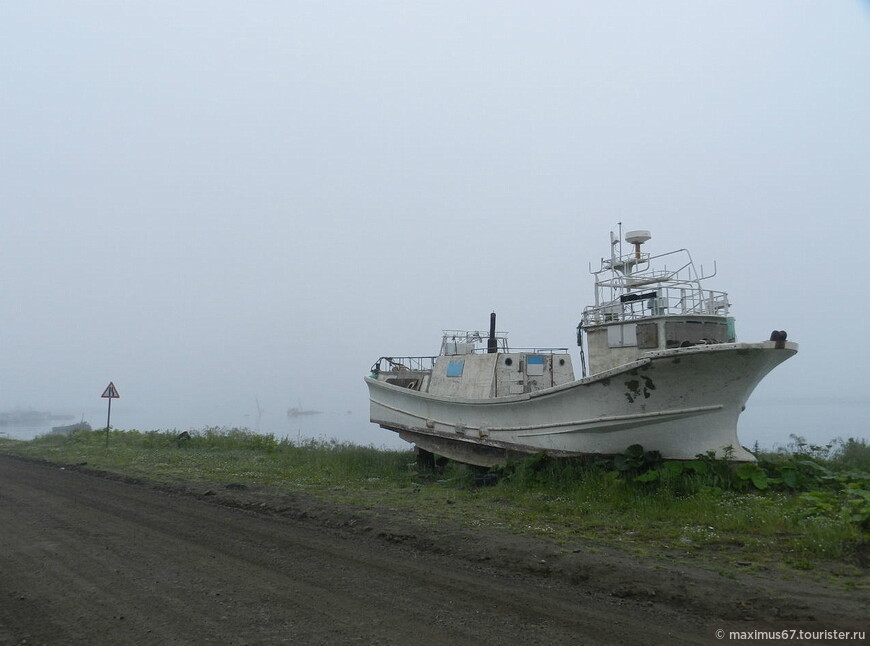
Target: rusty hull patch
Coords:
[[637, 390]]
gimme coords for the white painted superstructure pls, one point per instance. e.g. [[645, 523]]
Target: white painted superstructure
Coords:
[[665, 372]]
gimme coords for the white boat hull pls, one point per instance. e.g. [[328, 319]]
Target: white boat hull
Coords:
[[681, 402]]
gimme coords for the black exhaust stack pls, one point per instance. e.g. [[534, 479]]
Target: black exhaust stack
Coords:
[[491, 343]]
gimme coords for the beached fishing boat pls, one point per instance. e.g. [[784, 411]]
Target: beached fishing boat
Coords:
[[664, 371]]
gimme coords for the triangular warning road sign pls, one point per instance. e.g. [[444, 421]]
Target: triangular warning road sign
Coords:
[[111, 392]]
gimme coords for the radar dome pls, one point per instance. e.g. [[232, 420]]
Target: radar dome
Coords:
[[637, 237]]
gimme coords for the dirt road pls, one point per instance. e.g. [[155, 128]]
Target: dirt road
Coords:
[[87, 559]]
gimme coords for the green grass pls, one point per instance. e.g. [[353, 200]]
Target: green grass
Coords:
[[220, 455], [704, 511]]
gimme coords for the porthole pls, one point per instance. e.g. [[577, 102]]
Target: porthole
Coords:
[[508, 362], [561, 362]]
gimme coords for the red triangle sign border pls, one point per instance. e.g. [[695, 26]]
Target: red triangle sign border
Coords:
[[111, 392]]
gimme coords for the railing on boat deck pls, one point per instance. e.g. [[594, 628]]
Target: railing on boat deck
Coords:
[[659, 301], [401, 364], [470, 341], [425, 364], [627, 288]]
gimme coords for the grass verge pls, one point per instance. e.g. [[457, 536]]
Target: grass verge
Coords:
[[793, 512]]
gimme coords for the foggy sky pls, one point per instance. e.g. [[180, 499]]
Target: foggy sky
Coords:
[[215, 204]]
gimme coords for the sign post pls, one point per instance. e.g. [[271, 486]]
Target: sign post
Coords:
[[109, 393]]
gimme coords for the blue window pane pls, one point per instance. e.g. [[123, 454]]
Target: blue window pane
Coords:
[[454, 368]]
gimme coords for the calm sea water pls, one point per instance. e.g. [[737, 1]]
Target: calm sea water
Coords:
[[771, 422], [768, 422]]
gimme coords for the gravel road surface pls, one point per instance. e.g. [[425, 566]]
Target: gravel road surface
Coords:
[[89, 559]]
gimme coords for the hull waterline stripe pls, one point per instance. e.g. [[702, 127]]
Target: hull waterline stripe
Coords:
[[607, 420], [613, 419]]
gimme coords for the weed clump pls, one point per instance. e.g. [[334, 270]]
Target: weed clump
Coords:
[[799, 502]]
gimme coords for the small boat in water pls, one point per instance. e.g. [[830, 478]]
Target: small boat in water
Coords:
[[301, 412], [70, 428], [664, 371]]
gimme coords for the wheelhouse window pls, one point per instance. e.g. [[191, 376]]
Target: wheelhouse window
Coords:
[[454, 368], [621, 336], [535, 365], [647, 335], [684, 333]]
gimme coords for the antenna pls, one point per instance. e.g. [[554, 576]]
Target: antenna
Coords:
[[620, 239]]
